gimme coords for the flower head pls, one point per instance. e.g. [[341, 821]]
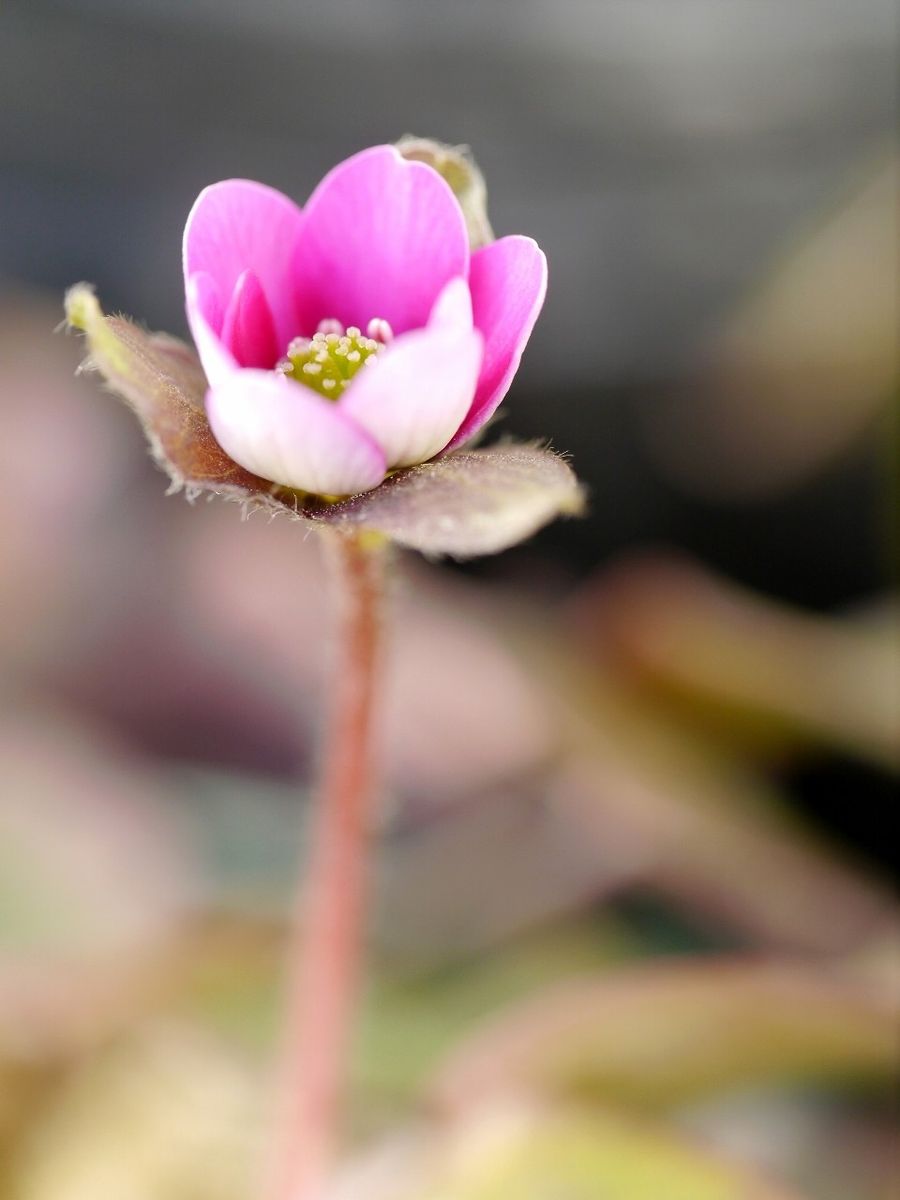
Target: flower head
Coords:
[[359, 334]]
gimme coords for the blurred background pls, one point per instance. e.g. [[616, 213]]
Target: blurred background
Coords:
[[634, 846]]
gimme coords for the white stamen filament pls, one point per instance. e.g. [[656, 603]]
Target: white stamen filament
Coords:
[[380, 330]]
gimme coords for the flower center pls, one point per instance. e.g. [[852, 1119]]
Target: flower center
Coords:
[[328, 360]]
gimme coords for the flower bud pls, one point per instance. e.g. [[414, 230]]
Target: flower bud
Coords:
[[460, 170]]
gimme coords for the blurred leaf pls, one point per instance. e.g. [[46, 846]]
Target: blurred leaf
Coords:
[[747, 663], [24, 1090], [410, 1023], [831, 1149], [662, 1034], [450, 884], [227, 975], [700, 825], [468, 503], [714, 840], [520, 1151], [480, 872], [453, 746], [94, 881], [168, 1116]]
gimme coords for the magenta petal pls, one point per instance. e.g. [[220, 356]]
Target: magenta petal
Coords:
[[247, 329], [413, 398], [508, 281], [380, 238], [287, 433], [239, 225], [204, 313]]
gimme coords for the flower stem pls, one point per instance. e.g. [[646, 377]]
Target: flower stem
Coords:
[[327, 952]]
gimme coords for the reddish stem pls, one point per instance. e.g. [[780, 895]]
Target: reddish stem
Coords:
[[328, 948]]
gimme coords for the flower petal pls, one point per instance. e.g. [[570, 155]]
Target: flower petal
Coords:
[[204, 314], [508, 281], [415, 395], [380, 238], [240, 225], [453, 307], [285, 432], [247, 328]]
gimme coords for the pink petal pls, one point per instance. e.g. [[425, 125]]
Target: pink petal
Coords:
[[240, 225], [508, 280], [414, 397], [247, 328], [380, 238], [285, 432], [204, 313]]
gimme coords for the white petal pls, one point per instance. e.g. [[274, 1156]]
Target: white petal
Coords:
[[453, 307], [414, 398], [285, 432]]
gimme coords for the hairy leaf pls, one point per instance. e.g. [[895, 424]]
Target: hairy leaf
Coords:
[[469, 503]]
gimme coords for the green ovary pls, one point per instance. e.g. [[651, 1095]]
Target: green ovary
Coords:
[[328, 360]]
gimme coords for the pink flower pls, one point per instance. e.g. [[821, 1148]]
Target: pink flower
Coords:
[[358, 334]]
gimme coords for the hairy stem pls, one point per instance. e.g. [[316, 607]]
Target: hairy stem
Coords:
[[327, 951]]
